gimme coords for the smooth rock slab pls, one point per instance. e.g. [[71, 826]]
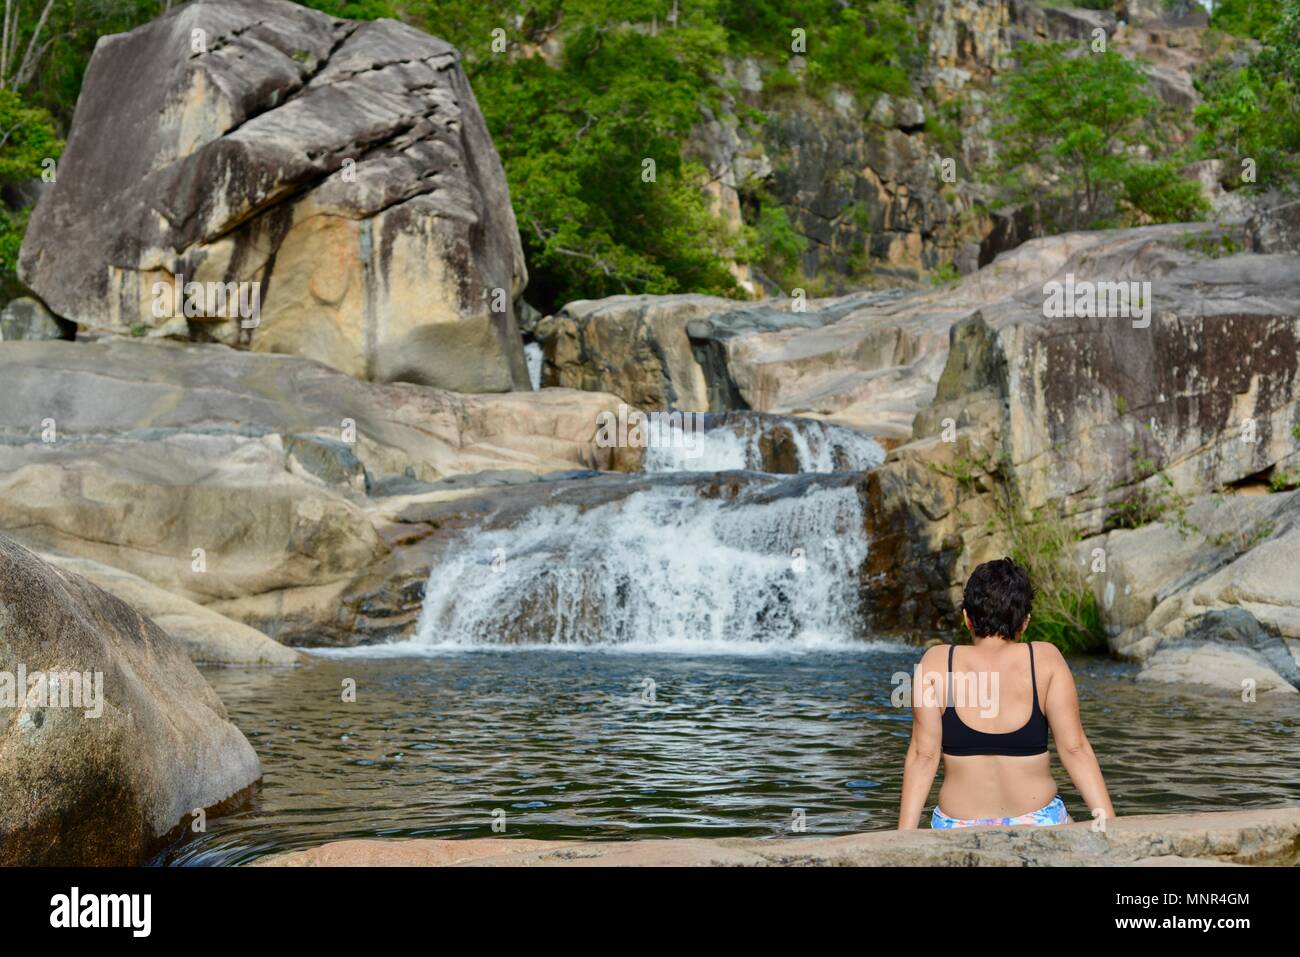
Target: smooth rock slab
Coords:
[[208, 638], [1257, 836]]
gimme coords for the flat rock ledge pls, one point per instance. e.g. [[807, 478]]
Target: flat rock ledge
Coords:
[[1262, 836]]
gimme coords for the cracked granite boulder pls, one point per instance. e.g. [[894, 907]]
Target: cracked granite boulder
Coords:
[[343, 166]]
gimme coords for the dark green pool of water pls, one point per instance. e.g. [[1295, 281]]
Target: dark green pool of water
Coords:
[[567, 746]]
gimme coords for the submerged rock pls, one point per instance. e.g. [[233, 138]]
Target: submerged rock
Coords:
[[343, 167], [100, 789]]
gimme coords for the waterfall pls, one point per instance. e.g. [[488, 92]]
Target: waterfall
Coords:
[[664, 567], [750, 536], [766, 443]]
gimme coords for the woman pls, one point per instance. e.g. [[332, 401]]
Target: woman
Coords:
[[972, 705]]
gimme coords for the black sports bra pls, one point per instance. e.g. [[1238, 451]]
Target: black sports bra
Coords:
[[960, 739]]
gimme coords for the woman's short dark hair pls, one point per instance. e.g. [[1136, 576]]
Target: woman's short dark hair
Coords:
[[998, 598]]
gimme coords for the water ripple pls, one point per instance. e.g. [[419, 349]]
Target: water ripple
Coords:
[[566, 747]]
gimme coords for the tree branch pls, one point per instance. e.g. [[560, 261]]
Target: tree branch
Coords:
[[32, 56]]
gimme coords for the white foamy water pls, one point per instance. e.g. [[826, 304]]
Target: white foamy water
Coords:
[[819, 447], [662, 569], [809, 645], [533, 356]]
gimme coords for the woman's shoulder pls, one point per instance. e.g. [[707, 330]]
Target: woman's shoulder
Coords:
[[936, 656], [1048, 655]]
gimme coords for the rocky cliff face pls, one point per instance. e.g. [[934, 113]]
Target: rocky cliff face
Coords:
[[339, 172], [862, 181], [869, 360]]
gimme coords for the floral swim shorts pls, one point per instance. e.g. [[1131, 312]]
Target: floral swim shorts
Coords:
[[1049, 814]]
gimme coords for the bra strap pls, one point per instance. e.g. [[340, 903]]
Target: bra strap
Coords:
[[948, 700], [1033, 678]]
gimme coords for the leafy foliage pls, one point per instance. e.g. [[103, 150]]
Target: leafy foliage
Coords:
[[1155, 193], [27, 139], [1250, 111], [1065, 610], [779, 244], [12, 227], [623, 82], [577, 136], [1245, 18], [354, 9], [865, 47], [1153, 498], [1074, 125]]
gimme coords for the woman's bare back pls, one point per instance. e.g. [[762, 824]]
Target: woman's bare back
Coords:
[[993, 693]]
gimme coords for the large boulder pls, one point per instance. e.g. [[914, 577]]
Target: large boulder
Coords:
[[150, 742], [636, 347], [1103, 422], [1275, 228], [1227, 648], [1204, 396], [1220, 605], [1197, 545], [344, 167]]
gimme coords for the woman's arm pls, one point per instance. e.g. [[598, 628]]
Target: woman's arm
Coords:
[[1061, 706], [922, 759]]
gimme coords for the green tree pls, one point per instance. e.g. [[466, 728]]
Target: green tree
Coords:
[[13, 224], [1072, 125], [1154, 192], [1249, 114], [1245, 18], [27, 140], [578, 131], [867, 47]]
